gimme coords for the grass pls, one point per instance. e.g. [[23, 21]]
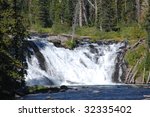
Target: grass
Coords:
[[37, 88], [55, 29], [70, 43], [61, 28], [131, 33], [132, 56], [39, 29]]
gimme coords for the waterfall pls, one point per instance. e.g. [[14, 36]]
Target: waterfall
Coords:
[[87, 64]]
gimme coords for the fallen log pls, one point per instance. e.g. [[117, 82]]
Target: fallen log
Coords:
[[143, 80], [148, 78], [128, 75], [140, 41], [132, 80], [132, 73]]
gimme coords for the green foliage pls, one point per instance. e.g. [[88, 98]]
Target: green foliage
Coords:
[[70, 43], [12, 35], [37, 88], [147, 27], [135, 55], [40, 29], [147, 61], [144, 65], [132, 56], [44, 14], [60, 28], [133, 32], [106, 15], [87, 31]]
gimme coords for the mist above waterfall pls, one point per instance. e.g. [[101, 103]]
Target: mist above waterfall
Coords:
[[87, 64]]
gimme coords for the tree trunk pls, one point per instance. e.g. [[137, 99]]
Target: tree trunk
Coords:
[[116, 9], [80, 13], [96, 11], [138, 10], [125, 6], [101, 22], [29, 10], [84, 14], [144, 10]]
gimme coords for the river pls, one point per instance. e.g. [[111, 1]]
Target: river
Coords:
[[103, 92]]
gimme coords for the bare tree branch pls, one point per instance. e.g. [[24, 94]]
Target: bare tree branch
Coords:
[[148, 78], [91, 4]]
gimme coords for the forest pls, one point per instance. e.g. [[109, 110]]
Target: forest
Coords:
[[98, 19]]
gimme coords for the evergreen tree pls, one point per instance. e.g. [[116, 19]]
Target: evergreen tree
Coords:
[[67, 11], [12, 34], [44, 14], [106, 15], [147, 25]]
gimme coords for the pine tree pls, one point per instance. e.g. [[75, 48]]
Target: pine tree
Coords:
[[106, 15], [12, 34], [44, 14]]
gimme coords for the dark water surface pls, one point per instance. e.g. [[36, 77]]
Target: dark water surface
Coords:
[[105, 92]]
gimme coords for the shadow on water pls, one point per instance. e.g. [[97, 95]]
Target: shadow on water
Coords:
[[103, 92]]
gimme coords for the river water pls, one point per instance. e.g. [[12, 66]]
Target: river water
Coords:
[[103, 92]]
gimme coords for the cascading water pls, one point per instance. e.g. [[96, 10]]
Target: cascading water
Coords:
[[87, 64]]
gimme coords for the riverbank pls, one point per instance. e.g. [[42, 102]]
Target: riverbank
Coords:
[[131, 33]]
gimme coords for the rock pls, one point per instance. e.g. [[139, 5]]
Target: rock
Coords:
[[43, 35], [63, 88], [99, 42], [53, 90], [38, 54], [57, 43], [57, 38], [93, 49]]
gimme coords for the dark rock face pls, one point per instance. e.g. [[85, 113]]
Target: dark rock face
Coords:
[[63, 88], [38, 54], [93, 49], [57, 43], [120, 64]]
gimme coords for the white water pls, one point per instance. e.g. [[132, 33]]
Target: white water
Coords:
[[79, 66]]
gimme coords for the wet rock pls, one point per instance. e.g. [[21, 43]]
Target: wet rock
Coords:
[[93, 49], [54, 89], [99, 42], [38, 54], [63, 88], [57, 43], [87, 55], [43, 35]]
